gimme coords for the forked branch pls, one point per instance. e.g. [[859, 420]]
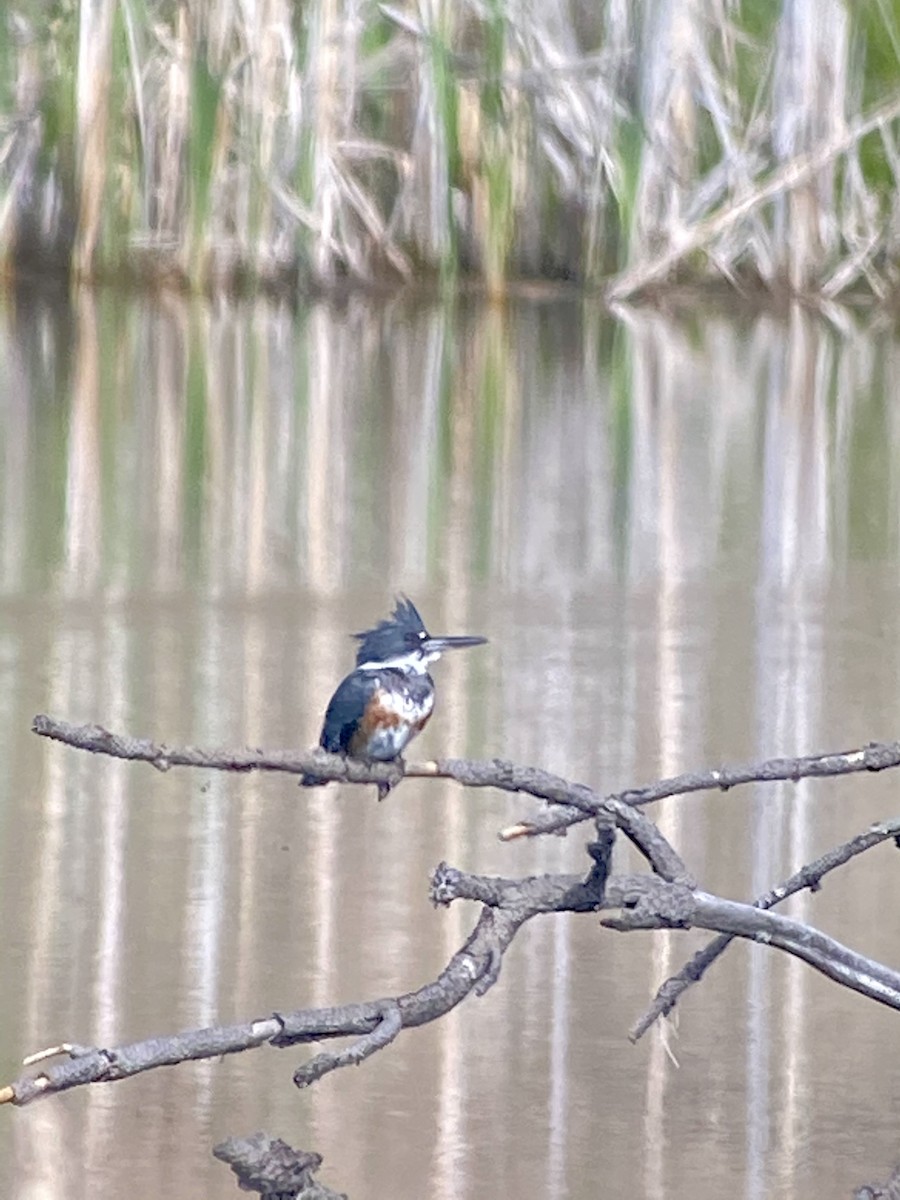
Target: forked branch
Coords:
[[809, 876], [374, 1024], [668, 898], [641, 901]]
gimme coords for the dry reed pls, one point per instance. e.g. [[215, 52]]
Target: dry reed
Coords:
[[246, 143]]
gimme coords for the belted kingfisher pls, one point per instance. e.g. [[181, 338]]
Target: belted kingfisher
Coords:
[[381, 705]]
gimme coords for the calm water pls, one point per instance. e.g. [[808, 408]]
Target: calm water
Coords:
[[683, 540]]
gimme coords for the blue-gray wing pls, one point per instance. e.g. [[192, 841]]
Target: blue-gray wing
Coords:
[[345, 711]]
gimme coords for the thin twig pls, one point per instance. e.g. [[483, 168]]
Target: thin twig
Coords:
[[382, 1035]]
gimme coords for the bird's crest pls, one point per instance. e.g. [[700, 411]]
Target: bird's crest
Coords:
[[396, 635]]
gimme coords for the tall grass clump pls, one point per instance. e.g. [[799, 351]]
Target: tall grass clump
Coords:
[[316, 143]]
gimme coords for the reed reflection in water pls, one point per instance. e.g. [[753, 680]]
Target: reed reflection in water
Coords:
[[682, 540]]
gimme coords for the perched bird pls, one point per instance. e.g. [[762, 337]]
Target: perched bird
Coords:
[[382, 704]]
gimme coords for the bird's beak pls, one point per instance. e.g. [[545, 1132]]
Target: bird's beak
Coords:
[[437, 645]]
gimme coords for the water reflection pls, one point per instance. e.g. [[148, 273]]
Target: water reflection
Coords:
[[682, 540]]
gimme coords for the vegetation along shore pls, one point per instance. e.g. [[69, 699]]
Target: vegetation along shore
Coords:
[[622, 145]]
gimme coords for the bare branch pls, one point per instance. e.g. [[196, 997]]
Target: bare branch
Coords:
[[668, 899], [479, 955], [651, 903], [328, 767], [568, 803], [645, 901], [809, 876], [579, 799], [876, 756], [473, 968], [93, 1065]]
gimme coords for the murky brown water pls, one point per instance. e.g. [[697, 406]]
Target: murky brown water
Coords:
[[684, 544]]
